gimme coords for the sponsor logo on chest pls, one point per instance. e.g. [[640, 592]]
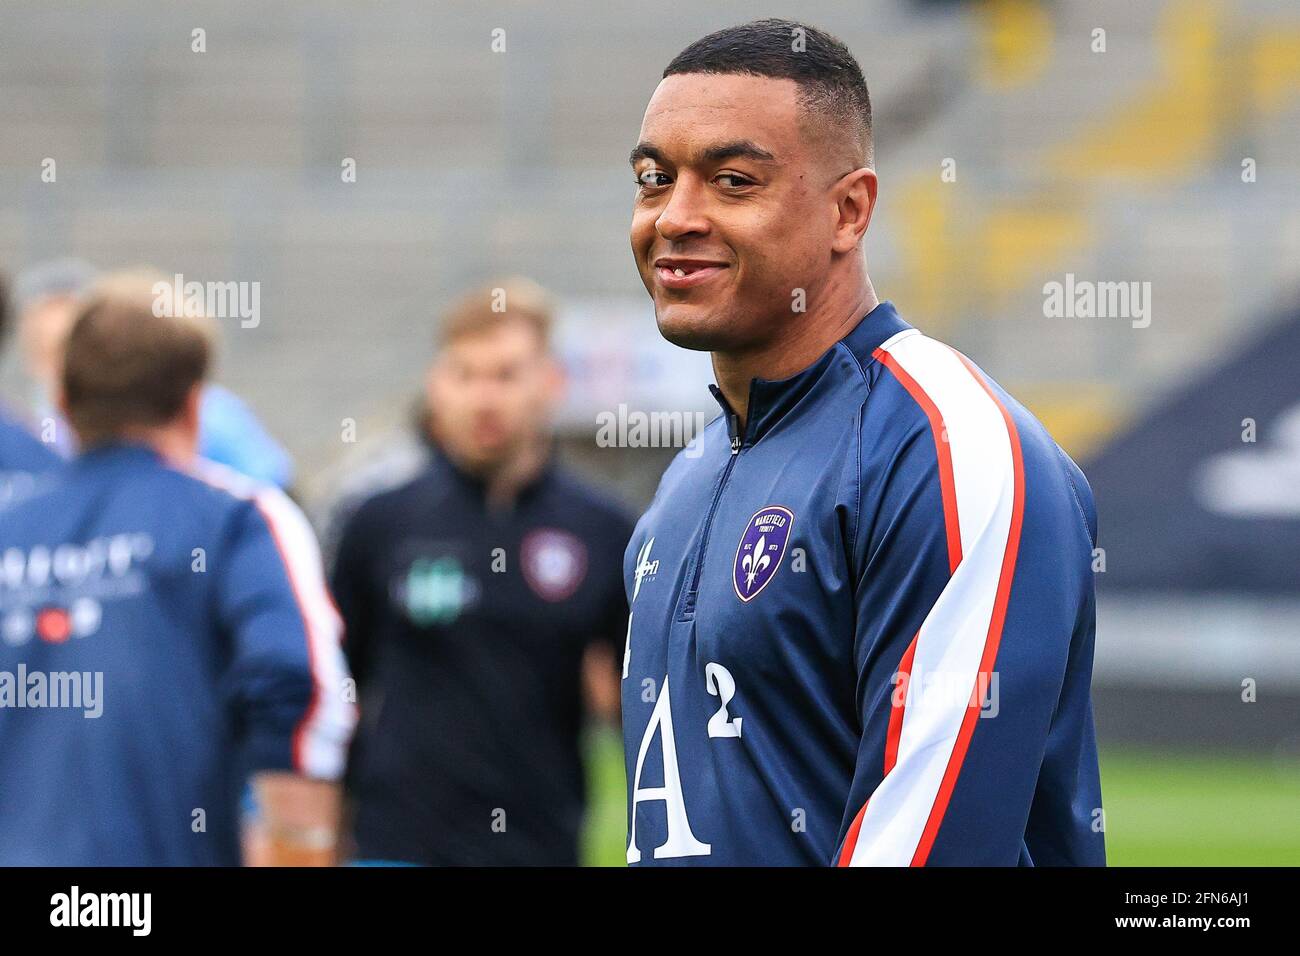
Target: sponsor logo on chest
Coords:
[[434, 591], [646, 569]]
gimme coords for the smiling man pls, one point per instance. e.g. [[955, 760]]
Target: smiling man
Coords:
[[862, 618]]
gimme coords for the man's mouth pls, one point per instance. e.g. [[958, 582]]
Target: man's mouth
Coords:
[[678, 273]]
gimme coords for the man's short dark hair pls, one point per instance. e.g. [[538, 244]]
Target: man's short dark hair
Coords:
[[125, 365], [830, 81]]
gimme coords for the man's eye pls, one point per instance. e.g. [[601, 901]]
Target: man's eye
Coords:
[[652, 178], [732, 180]]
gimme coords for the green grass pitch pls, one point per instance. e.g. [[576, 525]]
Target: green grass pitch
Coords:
[[1163, 808]]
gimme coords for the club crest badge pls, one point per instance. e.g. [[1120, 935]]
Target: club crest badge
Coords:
[[761, 549], [554, 562]]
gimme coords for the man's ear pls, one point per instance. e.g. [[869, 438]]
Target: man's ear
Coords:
[[855, 199], [190, 411], [557, 381], [431, 374]]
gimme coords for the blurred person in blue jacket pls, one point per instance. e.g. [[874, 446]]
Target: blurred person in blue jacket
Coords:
[[167, 633], [47, 296], [25, 461]]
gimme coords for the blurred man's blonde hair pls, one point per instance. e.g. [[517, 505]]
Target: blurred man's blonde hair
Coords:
[[481, 310], [125, 365]]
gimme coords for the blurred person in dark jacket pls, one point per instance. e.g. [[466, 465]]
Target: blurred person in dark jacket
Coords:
[[480, 599]]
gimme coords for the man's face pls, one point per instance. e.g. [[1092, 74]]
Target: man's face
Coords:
[[491, 393], [733, 211]]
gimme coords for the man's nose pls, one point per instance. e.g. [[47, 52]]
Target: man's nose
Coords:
[[684, 214]]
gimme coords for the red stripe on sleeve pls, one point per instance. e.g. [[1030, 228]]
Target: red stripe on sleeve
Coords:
[[994, 637]]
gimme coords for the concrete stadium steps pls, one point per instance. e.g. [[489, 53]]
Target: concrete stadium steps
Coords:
[[1084, 164], [305, 82], [225, 165]]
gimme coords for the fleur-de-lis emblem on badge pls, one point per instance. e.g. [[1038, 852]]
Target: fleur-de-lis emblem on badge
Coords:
[[755, 567], [758, 556]]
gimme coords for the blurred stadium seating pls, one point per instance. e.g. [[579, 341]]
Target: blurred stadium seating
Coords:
[[1118, 165]]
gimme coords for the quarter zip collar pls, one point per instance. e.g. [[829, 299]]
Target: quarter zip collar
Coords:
[[476, 487], [770, 400]]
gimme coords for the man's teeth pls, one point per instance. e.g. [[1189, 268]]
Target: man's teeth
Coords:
[[679, 272]]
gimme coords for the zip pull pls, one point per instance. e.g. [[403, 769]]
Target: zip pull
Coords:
[[735, 444]]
